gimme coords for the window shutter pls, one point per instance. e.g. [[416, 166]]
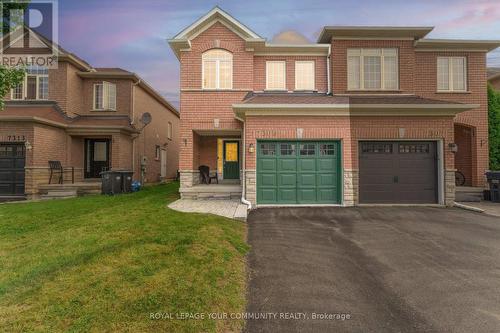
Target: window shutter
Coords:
[[111, 96], [443, 74], [458, 73], [353, 72]]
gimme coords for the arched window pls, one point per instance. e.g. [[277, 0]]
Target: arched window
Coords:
[[217, 69]]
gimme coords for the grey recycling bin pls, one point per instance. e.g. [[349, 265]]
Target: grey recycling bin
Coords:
[[493, 178], [127, 181], [111, 182]]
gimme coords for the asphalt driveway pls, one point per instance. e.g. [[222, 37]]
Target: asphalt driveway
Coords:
[[369, 269]]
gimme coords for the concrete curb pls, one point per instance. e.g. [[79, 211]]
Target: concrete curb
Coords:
[[470, 208]]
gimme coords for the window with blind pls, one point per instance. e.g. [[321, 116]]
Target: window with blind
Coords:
[[34, 86], [451, 74], [105, 96], [217, 69], [372, 69], [304, 75], [275, 75]]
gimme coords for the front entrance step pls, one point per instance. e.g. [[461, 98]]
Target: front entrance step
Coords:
[[83, 188], [211, 192], [468, 194], [59, 194]]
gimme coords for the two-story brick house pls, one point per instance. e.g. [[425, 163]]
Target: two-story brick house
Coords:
[[87, 118], [365, 115]]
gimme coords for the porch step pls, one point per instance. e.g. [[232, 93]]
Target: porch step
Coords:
[[59, 194], [211, 192], [84, 188], [468, 194]]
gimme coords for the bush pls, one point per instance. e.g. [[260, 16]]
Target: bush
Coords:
[[494, 127]]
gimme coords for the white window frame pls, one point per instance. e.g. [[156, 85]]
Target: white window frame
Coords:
[[157, 152], [450, 74], [169, 130], [106, 97], [284, 75], [313, 74], [217, 72], [25, 87], [363, 52]]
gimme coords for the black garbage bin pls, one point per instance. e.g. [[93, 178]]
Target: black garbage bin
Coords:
[[493, 178], [111, 182], [126, 181]]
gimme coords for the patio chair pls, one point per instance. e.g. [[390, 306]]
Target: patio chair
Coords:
[[56, 167], [205, 176]]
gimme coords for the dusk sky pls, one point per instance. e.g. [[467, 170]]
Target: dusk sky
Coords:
[[132, 34]]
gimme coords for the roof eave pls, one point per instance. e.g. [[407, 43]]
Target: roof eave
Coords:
[[456, 44], [242, 110]]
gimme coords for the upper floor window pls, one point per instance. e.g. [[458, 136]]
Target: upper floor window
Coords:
[[451, 74], [34, 86], [275, 75], [217, 69], [169, 131], [105, 96], [304, 75], [372, 69]]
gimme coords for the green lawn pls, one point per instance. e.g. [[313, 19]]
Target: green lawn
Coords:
[[103, 263]]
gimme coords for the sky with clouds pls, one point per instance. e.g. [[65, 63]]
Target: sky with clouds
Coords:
[[132, 34]]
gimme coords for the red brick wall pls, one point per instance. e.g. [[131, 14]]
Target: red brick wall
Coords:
[[426, 86], [155, 134], [349, 130], [207, 152], [321, 82], [123, 97], [339, 61], [199, 108], [191, 63]]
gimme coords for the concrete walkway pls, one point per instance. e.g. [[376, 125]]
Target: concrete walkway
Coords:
[[233, 209]]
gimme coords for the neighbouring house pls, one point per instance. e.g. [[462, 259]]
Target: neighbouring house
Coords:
[[87, 118], [366, 115], [494, 77]]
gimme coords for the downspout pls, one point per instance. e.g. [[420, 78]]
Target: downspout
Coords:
[[133, 122], [328, 59], [243, 179]]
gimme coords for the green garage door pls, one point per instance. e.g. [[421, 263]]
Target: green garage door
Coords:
[[298, 172]]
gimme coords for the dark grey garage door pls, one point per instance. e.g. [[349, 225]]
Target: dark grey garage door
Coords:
[[12, 159], [398, 172]]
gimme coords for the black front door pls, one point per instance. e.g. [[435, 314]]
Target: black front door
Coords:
[[12, 160], [96, 157]]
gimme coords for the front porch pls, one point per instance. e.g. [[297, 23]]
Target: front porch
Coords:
[[221, 152]]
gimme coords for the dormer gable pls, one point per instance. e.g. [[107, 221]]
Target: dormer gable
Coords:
[[182, 41]]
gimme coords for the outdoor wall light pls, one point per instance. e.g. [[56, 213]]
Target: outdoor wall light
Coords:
[[185, 142], [251, 148], [453, 147], [28, 145]]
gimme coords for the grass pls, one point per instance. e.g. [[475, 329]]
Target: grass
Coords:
[[103, 263]]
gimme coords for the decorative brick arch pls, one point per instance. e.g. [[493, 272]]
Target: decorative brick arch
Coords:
[[217, 44]]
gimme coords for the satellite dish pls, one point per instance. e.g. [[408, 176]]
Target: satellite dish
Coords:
[[146, 118]]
